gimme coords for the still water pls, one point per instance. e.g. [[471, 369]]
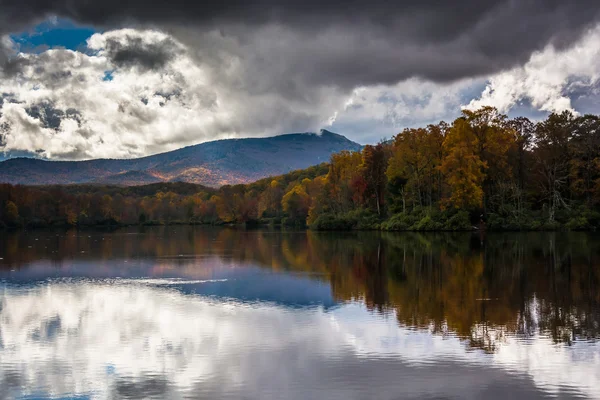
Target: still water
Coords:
[[184, 312]]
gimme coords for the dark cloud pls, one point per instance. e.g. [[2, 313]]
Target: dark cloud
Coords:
[[364, 42], [430, 20], [256, 68], [50, 116], [13, 65], [168, 95], [4, 129], [135, 52], [8, 98], [54, 68]]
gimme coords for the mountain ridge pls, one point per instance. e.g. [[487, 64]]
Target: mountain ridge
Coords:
[[215, 163]]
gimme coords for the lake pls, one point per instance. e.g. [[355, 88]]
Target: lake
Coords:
[[191, 312]]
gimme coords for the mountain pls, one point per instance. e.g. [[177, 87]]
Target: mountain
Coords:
[[216, 163]]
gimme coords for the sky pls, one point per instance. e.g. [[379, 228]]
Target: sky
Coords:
[[120, 79]]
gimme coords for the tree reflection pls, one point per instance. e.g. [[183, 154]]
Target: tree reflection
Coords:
[[481, 288]]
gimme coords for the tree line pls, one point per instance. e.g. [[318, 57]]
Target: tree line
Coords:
[[483, 169]]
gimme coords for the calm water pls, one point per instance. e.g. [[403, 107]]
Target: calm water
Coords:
[[186, 312]]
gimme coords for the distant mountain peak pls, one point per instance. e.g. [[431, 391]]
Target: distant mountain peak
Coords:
[[326, 132], [226, 161]]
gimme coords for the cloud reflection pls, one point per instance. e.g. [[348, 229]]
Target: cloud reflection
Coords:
[[153, 341]]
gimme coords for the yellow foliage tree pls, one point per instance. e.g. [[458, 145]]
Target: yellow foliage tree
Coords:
[[476, 156], [344, 168], [270, 200], [416, 156], [462, 167], [296, 203]]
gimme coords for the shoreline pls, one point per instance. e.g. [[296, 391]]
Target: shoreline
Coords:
[[279, 226]]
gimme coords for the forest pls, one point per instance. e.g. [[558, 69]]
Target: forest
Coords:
[[482, 171]]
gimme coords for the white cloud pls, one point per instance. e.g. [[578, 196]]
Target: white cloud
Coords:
[[123, 111], [6, 42], [212, 85], [88, 338], [548, 79], [134, 113], [413, 102]]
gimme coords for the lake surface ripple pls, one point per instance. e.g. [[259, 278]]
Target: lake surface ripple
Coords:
[[189, 312]]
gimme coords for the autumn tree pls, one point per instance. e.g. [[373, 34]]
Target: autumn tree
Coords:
[[318, 203], [248, 209], [523, 130], [462, 167], [296, 203], [373, 166], [584, 164], [413, 169], [493, 140], [269, 203], [107, 210], [346, 184], [511, 193], [552, 159], [225, 207]]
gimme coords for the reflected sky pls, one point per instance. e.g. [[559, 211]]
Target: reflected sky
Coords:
[[215, 278], [212, 324]]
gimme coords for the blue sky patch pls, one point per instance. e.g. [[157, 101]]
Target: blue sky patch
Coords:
[[108, 76], [53, 33]]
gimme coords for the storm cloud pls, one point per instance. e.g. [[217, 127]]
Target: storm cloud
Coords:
[[134, 51], [349, 43], [177, 73]]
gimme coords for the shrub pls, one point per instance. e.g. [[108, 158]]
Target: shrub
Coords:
[[427, 223], [577, 223], [330, 222], [271, 221], [293, 222], [495, 222], [399, 222], [363, 219], [550, 226], [593, 217], [459, 222]]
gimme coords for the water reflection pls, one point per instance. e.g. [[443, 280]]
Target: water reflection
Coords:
[[222, 313]]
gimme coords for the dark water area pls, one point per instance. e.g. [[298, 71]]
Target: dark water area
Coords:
[[210, 313]]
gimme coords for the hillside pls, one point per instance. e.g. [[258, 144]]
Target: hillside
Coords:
[[216, 163]]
